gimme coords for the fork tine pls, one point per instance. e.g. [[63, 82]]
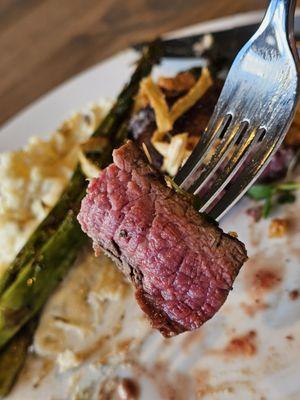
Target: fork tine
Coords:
[[262, 87], [247, 177], [215, 128], [241, 152], [234, 131]]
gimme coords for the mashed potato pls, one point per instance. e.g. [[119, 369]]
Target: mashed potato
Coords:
[[32, 179]]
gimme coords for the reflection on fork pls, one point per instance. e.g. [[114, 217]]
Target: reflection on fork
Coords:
[[252, 116]]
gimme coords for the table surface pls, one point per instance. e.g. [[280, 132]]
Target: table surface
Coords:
[[44, 42]]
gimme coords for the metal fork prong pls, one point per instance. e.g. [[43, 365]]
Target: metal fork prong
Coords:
[[248, 176], [241, 152], [220, 153], [188, 171], [262, 87]]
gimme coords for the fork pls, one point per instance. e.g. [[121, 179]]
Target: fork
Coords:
[[252, 115]]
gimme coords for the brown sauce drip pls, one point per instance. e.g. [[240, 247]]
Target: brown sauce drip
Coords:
[[251, 309], [263, 274], [266, 279], [244, 345]]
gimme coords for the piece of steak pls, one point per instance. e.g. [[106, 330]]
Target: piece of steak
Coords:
[[182, 265]]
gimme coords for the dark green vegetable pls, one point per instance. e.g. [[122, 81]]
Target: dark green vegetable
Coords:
[[13, 356], [53, 247], [286, 197], [68, 200], [39, 277], [272, 194], [110, 128]]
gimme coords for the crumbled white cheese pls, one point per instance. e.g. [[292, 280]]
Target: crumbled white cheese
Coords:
[[32, 179], [67, 360]]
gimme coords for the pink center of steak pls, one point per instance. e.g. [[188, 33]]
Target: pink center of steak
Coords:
[[182, 265]]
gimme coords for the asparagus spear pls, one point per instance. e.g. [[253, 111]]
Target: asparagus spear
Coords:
[[37, 280], [45, 229], [13, 356], [76, 188], [52, 248]]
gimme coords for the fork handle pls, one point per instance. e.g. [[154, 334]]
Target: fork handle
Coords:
[[282, 13]]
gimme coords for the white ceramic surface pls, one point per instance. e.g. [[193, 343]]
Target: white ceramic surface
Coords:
[[268, 369]]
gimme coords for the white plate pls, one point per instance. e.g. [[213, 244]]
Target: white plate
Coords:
[[197, 364]]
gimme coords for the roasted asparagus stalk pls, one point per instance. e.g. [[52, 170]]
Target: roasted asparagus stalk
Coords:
[[73, 194], [39, 277], [13, 356], [53, 247]]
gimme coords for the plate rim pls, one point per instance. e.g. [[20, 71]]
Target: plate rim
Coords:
[[214, 25], [126, 56], [29, 113]]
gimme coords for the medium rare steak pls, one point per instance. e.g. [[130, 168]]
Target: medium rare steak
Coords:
[[182, 265]]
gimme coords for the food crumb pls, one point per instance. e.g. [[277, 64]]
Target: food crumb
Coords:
[[30, 281], [87, 119], [128, 389], [289, 337], [147, 154], [294, 294], [255, 213], [67, 360], [233, 234], [278, 228]]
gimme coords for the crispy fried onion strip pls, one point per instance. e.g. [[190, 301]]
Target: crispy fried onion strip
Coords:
[[165, 117], [158, 103], [192, 96], [177, 149], [93, 145], [174, 153], [182, 82]]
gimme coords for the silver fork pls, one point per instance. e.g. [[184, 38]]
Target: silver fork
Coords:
[[252, 116]]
